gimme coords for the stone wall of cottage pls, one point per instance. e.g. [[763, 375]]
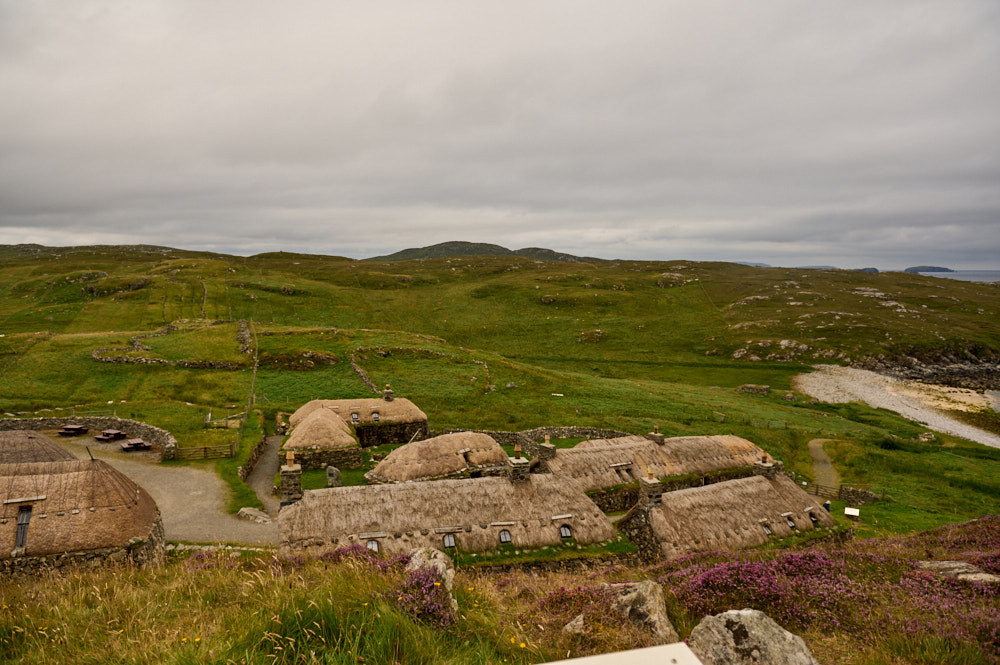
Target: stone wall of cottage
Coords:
[[319, 458], [133, 428], [146, 552], [636, 527], [375, 434]]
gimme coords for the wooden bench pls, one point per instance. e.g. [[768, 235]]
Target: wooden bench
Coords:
[[72, 430], [134, 444]]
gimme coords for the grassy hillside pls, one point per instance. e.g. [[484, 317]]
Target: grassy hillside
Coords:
[[495, 342]]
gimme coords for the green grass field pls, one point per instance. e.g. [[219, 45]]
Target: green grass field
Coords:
[[499, 342]]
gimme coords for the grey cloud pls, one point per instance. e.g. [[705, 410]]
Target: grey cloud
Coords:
[[707, 131]]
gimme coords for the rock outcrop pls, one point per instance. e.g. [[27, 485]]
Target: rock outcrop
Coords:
[[747, 637], [644, 604], [428, 557]]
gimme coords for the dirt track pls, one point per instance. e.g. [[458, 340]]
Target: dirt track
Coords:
[[913, 400]]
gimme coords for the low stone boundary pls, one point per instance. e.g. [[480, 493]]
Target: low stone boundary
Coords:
[[531, 439], [857, 496], [145, 552], [133, 428], [258, 451]]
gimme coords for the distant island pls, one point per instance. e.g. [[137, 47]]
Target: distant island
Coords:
[[918, 269]]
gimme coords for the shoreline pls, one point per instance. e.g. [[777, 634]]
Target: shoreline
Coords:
[[920, 402]]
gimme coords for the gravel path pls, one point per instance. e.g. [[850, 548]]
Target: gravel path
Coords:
[[261, 479], [822, 466], [192, 500], [909, 399]]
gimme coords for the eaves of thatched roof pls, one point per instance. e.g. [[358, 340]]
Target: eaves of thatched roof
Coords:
[[76, 505], [28, 446], [732, 515], [321, 428], [440, 456], [407, 515], [398, 410], [608, 462]]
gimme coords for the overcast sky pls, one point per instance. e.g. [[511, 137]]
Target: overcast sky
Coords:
[[793, 133]]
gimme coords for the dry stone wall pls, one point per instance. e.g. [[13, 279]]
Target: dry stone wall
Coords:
[[636, 527], [258, 451], [532, 440], [856, 496], [133, 428]]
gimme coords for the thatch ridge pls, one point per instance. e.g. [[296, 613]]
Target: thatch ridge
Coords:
[[77, 505], [730, 515], [29, 446], [398, 410], [440, 456], [321, 428], [407, 515], [605, 463]]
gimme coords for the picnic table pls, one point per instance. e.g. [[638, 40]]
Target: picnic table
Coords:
[[134, 444], [110, 435], [72, 430]]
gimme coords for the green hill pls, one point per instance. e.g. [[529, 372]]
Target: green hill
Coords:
[[502, 342], [459, 248]]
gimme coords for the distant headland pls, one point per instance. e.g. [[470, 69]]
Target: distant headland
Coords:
[[918, 269]]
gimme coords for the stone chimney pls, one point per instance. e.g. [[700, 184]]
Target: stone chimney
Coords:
[[387, 393], [769, 469], [650, 490], [655, 436], [291, 480], [517, 466], [545, 451]]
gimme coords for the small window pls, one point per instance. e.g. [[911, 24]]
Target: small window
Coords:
[[565, 531], [374, 416], [449, 541], [504, 536], [791, 522], [372, 545], [767, 529], [23, 517], [354, 417]]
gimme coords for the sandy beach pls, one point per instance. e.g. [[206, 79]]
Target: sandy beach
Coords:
[[920, 402]]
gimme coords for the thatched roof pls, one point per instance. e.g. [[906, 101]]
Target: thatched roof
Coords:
[[440, 456], [608, 462], [407, 515], [321, 429], [77, 505], [731, 515], [399, 410], [27, 446]]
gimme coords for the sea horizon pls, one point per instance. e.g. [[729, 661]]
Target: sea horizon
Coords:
[[968, 275]]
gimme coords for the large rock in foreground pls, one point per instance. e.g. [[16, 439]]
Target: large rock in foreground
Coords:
[[747, 637], [644, 603], [428, 557]]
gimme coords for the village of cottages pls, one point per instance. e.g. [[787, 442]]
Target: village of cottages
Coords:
[[455, 492]]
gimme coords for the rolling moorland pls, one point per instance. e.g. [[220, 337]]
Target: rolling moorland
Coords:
[[497, 342]]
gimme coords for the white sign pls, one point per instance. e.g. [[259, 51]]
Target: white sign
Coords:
[[852, 512]]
